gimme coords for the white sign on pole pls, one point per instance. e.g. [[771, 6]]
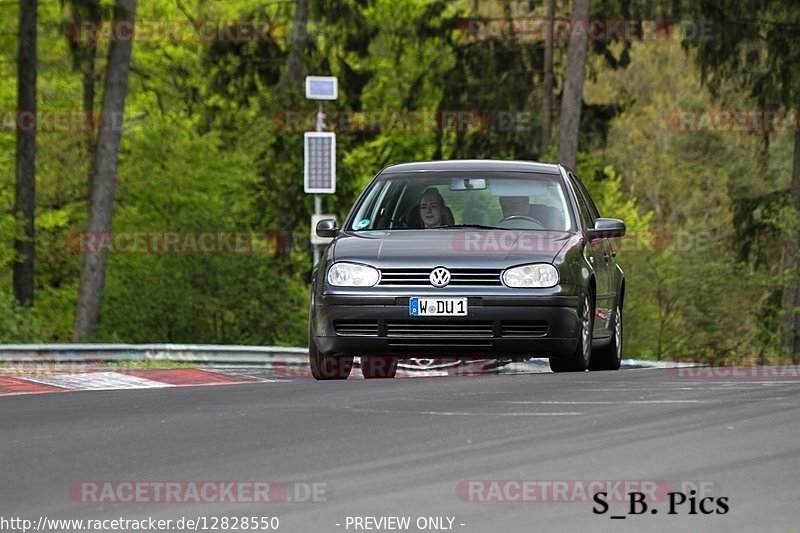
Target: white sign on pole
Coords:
[[320, 162], [322, 88]]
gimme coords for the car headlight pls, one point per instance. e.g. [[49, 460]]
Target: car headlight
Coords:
[[352, 275], [539, 275]]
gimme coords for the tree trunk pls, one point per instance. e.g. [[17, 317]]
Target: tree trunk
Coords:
[[85, 55], [572, 98], [791, 291], [25, 189], [295, 64], [547, 80], [104, 182], [93, 9]]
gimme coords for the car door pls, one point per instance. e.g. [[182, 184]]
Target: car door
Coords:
[[599, 255]]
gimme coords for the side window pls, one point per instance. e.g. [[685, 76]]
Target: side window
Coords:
[[398, 220], [364, 218], [592, 208], [587, 219]]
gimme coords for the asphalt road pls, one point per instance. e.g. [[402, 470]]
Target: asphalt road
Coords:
[[407, 447]]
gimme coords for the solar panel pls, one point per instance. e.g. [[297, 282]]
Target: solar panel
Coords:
[[320, 162]]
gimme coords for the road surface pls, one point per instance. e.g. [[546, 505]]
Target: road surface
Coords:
[[356, 453]]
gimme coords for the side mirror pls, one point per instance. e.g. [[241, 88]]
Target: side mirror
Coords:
[[606, 228], [326, 228]]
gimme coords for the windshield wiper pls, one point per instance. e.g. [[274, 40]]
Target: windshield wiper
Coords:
[[475, 226]]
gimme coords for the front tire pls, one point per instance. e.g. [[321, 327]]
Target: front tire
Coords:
[[610, 357], [578, 361], [326, 367], [378, 367]]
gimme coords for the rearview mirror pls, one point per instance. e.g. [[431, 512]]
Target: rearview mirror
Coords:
[[606, 228], [467, 184], [326, 228]]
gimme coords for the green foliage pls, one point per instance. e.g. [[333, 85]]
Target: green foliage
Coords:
[[205, 150], [758, 52], [711, 225], [756, 46], [17, 324], [7, 227], [605, 187], [185, 183]]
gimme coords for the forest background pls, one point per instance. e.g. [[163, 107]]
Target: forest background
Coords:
[[688, 132]]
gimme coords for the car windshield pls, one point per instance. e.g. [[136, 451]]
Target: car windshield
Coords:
[[437, 200]]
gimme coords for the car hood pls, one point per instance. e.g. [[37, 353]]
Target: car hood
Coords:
[[449, 247]]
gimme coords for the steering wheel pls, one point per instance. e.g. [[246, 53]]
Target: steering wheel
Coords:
[[511, 218]]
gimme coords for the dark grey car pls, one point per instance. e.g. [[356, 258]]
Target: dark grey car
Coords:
[[468, 259]]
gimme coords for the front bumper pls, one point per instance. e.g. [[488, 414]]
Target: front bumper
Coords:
[[496, 327]]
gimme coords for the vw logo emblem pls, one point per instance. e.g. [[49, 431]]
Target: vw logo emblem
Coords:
[[439, 277]]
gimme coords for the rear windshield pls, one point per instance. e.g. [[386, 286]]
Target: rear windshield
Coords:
[[436, 200]]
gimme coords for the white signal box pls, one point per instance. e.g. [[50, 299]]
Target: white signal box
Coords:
[[322, 88]]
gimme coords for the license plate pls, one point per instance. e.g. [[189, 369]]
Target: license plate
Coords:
[[437, 306]]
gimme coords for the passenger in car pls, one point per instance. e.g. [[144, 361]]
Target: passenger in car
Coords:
[[549, 217], [515, 206]]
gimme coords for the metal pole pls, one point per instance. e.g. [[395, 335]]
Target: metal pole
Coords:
[[317, 211], [317, 197]]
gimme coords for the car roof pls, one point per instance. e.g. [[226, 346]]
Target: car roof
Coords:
[[474, 165]]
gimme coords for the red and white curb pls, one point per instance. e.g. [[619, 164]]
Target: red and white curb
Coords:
[[17, 382], [85, 377]]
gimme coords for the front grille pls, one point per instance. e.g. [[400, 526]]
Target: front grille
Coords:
[[460, 277], [434, 341], [535, 328], [441, 331], [470, 329], [356, 328], [432, 332]]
